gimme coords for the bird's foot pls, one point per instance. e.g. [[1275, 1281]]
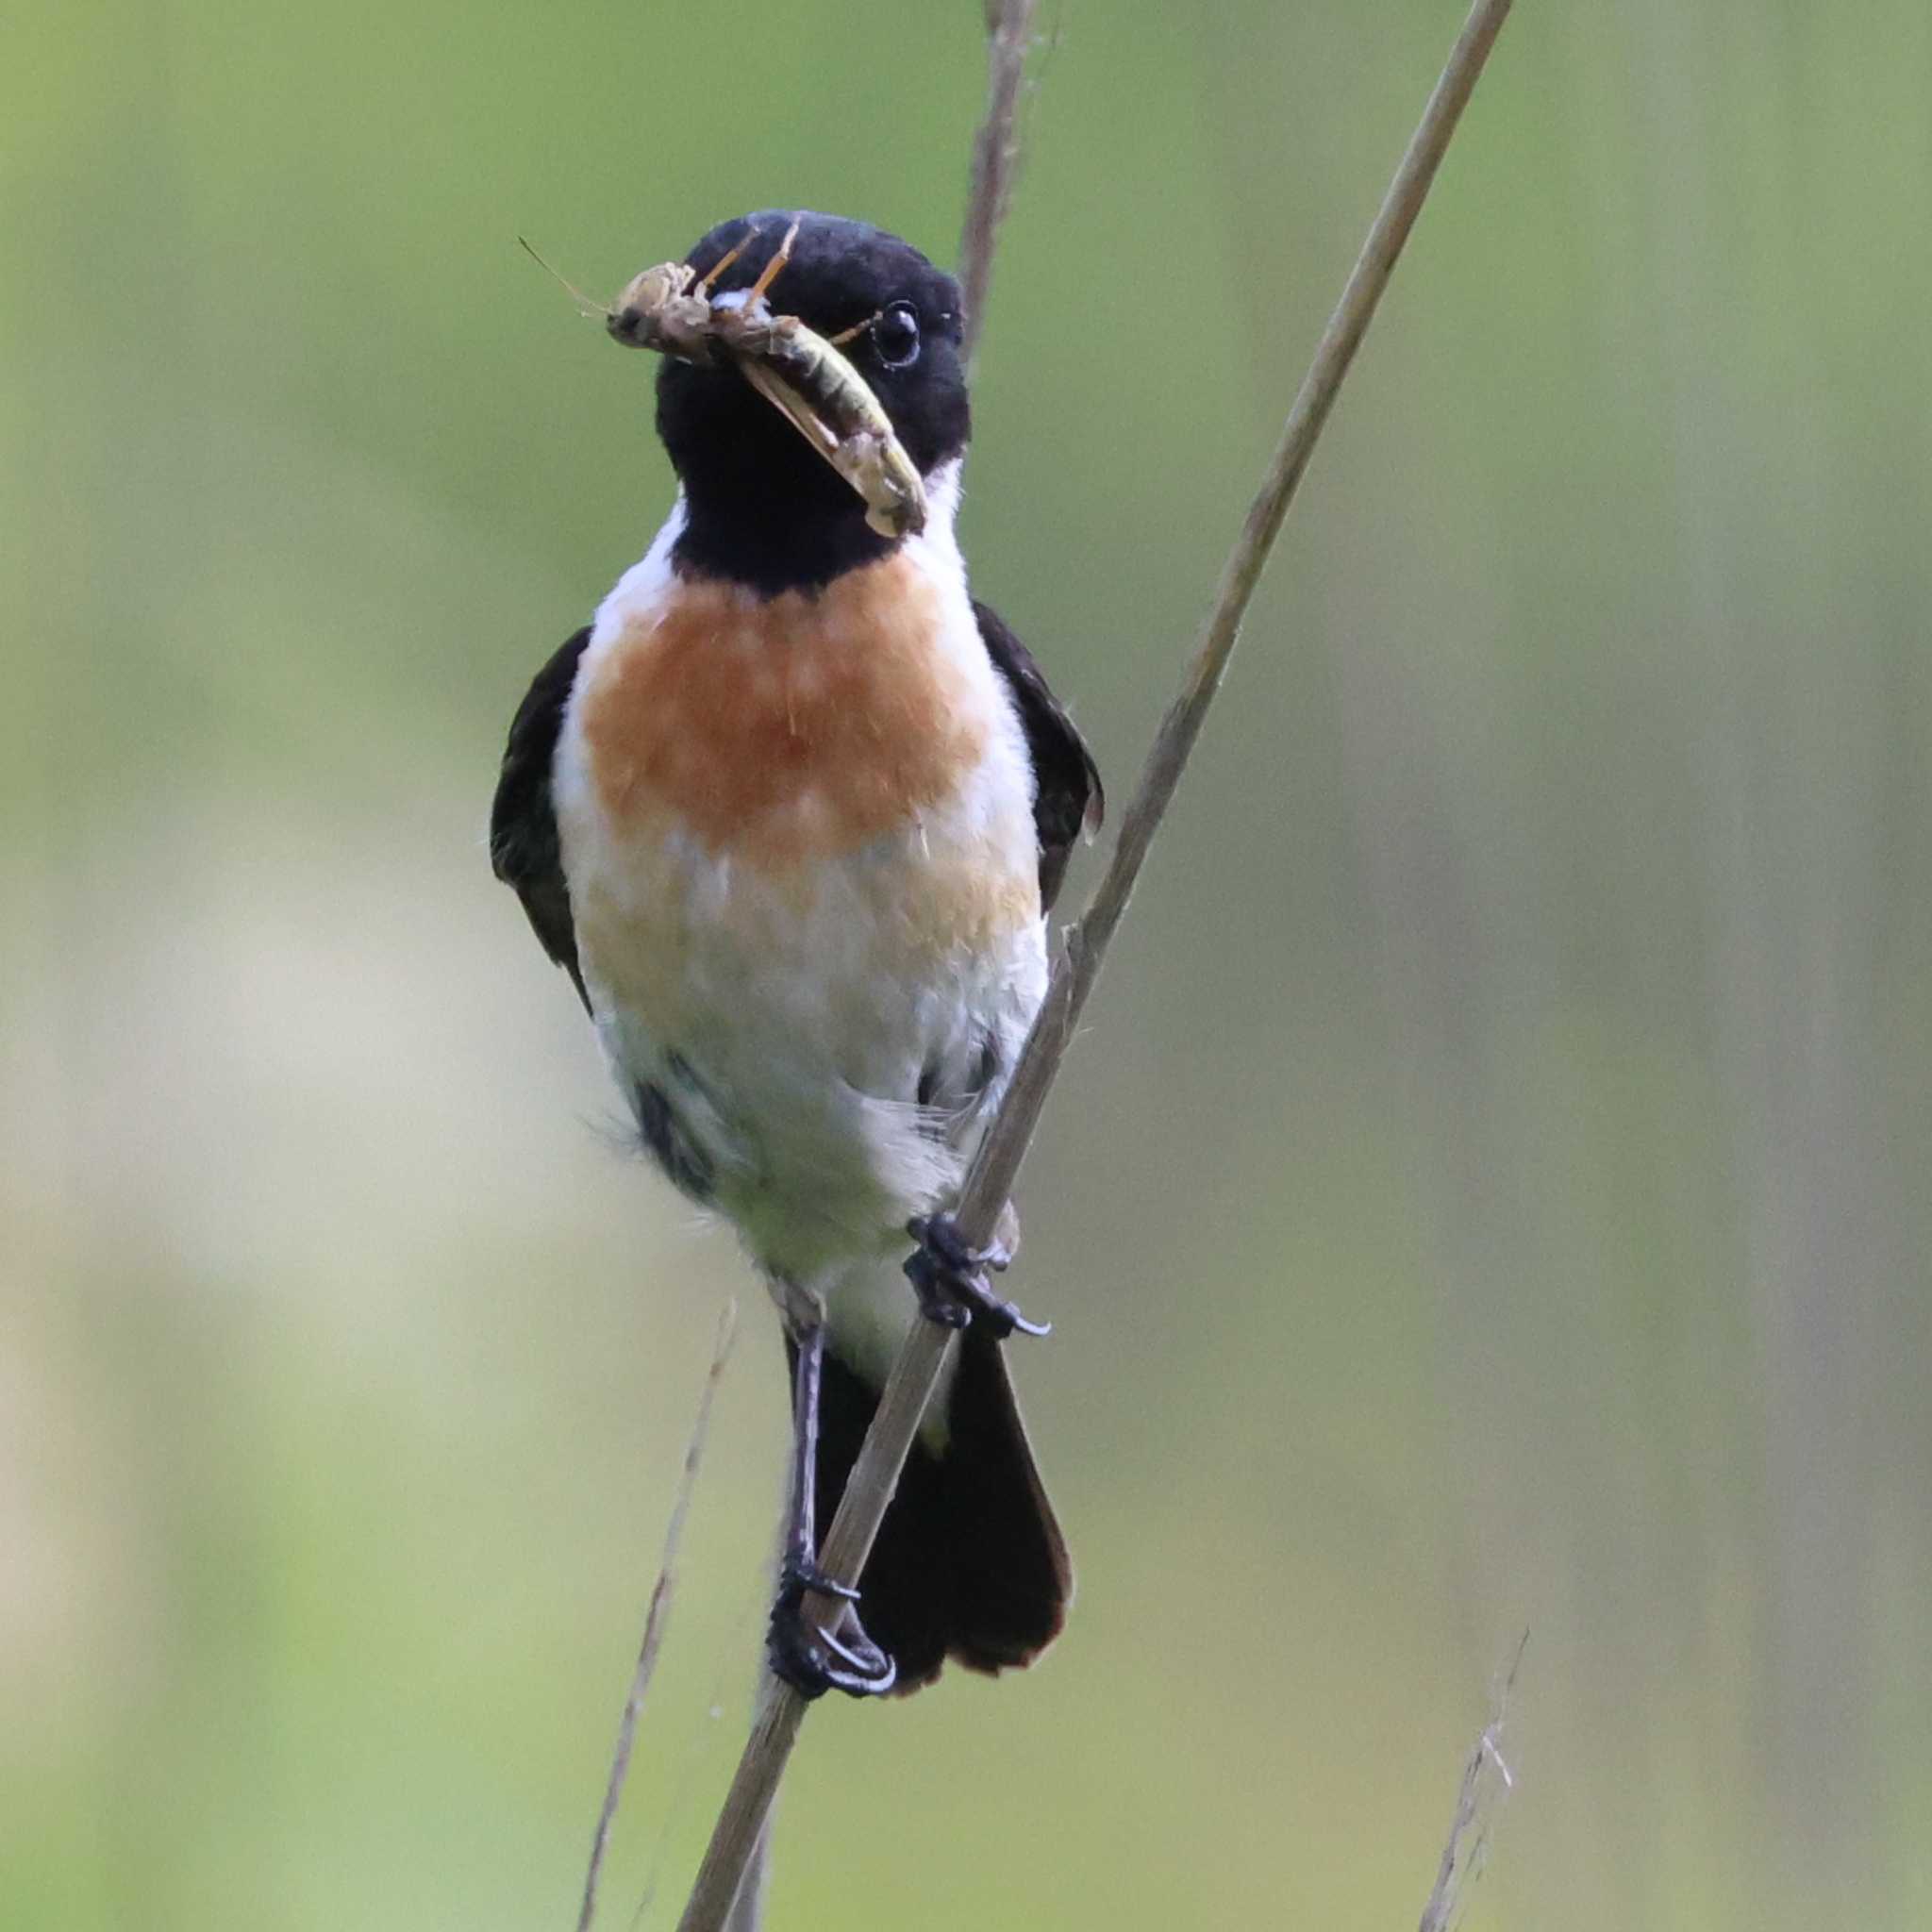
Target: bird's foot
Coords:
[[813, 1659], [801, 1573], [950, 1280]]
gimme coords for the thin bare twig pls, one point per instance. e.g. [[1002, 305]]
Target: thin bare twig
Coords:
[[995, 155], [875, 1477], [659, 1612], [1469, 1830]]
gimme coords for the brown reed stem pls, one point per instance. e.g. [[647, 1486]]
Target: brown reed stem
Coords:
[[996, 1165], [995, 155], [658, 1615]]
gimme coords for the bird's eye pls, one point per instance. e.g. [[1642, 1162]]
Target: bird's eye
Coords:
[[896, 336]]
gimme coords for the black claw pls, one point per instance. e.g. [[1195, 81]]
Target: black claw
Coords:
[[813, 1662], [802, 1573], [949, 1278]]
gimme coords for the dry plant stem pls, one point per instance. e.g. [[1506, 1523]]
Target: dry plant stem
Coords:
[[659, 1612], [995, 153], [875, 1475], [997, 1164], [1469, 1830], [748, 1909]]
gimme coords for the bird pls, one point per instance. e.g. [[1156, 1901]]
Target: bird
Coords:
[[791, 812]]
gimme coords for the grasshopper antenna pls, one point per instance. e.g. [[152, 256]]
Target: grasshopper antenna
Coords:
[[585, 306]]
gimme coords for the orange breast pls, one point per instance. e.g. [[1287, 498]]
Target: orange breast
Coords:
[[785, 729]]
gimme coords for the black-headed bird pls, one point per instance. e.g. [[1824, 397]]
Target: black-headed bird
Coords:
[[791, 812]]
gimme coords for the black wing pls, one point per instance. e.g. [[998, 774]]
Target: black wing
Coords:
[[523, 821], [1068, 800]]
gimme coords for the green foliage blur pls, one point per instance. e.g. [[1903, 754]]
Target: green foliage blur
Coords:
[[1490, 1192]]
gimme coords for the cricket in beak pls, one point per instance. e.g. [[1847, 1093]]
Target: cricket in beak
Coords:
[[805, 376]]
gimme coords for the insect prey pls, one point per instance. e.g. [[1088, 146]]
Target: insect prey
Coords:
[[805, 375]]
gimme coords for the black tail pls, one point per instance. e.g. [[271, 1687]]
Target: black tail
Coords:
[[969, 1562]]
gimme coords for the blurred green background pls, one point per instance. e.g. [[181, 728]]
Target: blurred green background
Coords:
[[1491, 1191]]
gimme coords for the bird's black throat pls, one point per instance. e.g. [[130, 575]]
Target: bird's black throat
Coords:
[[763, 508]]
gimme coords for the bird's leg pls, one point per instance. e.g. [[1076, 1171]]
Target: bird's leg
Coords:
[[807, 1657], [949, 1278], [801, 1527]]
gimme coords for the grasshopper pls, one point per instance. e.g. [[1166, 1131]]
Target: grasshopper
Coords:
[[803, 374]]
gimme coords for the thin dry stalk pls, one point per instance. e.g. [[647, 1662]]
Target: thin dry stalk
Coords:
[[1486, 1782], [995, 155], [658, 1614], [869, 1489]]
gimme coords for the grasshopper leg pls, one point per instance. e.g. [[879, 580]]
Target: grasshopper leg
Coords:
[[780, 256], [858, 328], [703, 291]]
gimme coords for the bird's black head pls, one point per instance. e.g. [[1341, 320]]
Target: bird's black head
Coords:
[[764, 508]]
